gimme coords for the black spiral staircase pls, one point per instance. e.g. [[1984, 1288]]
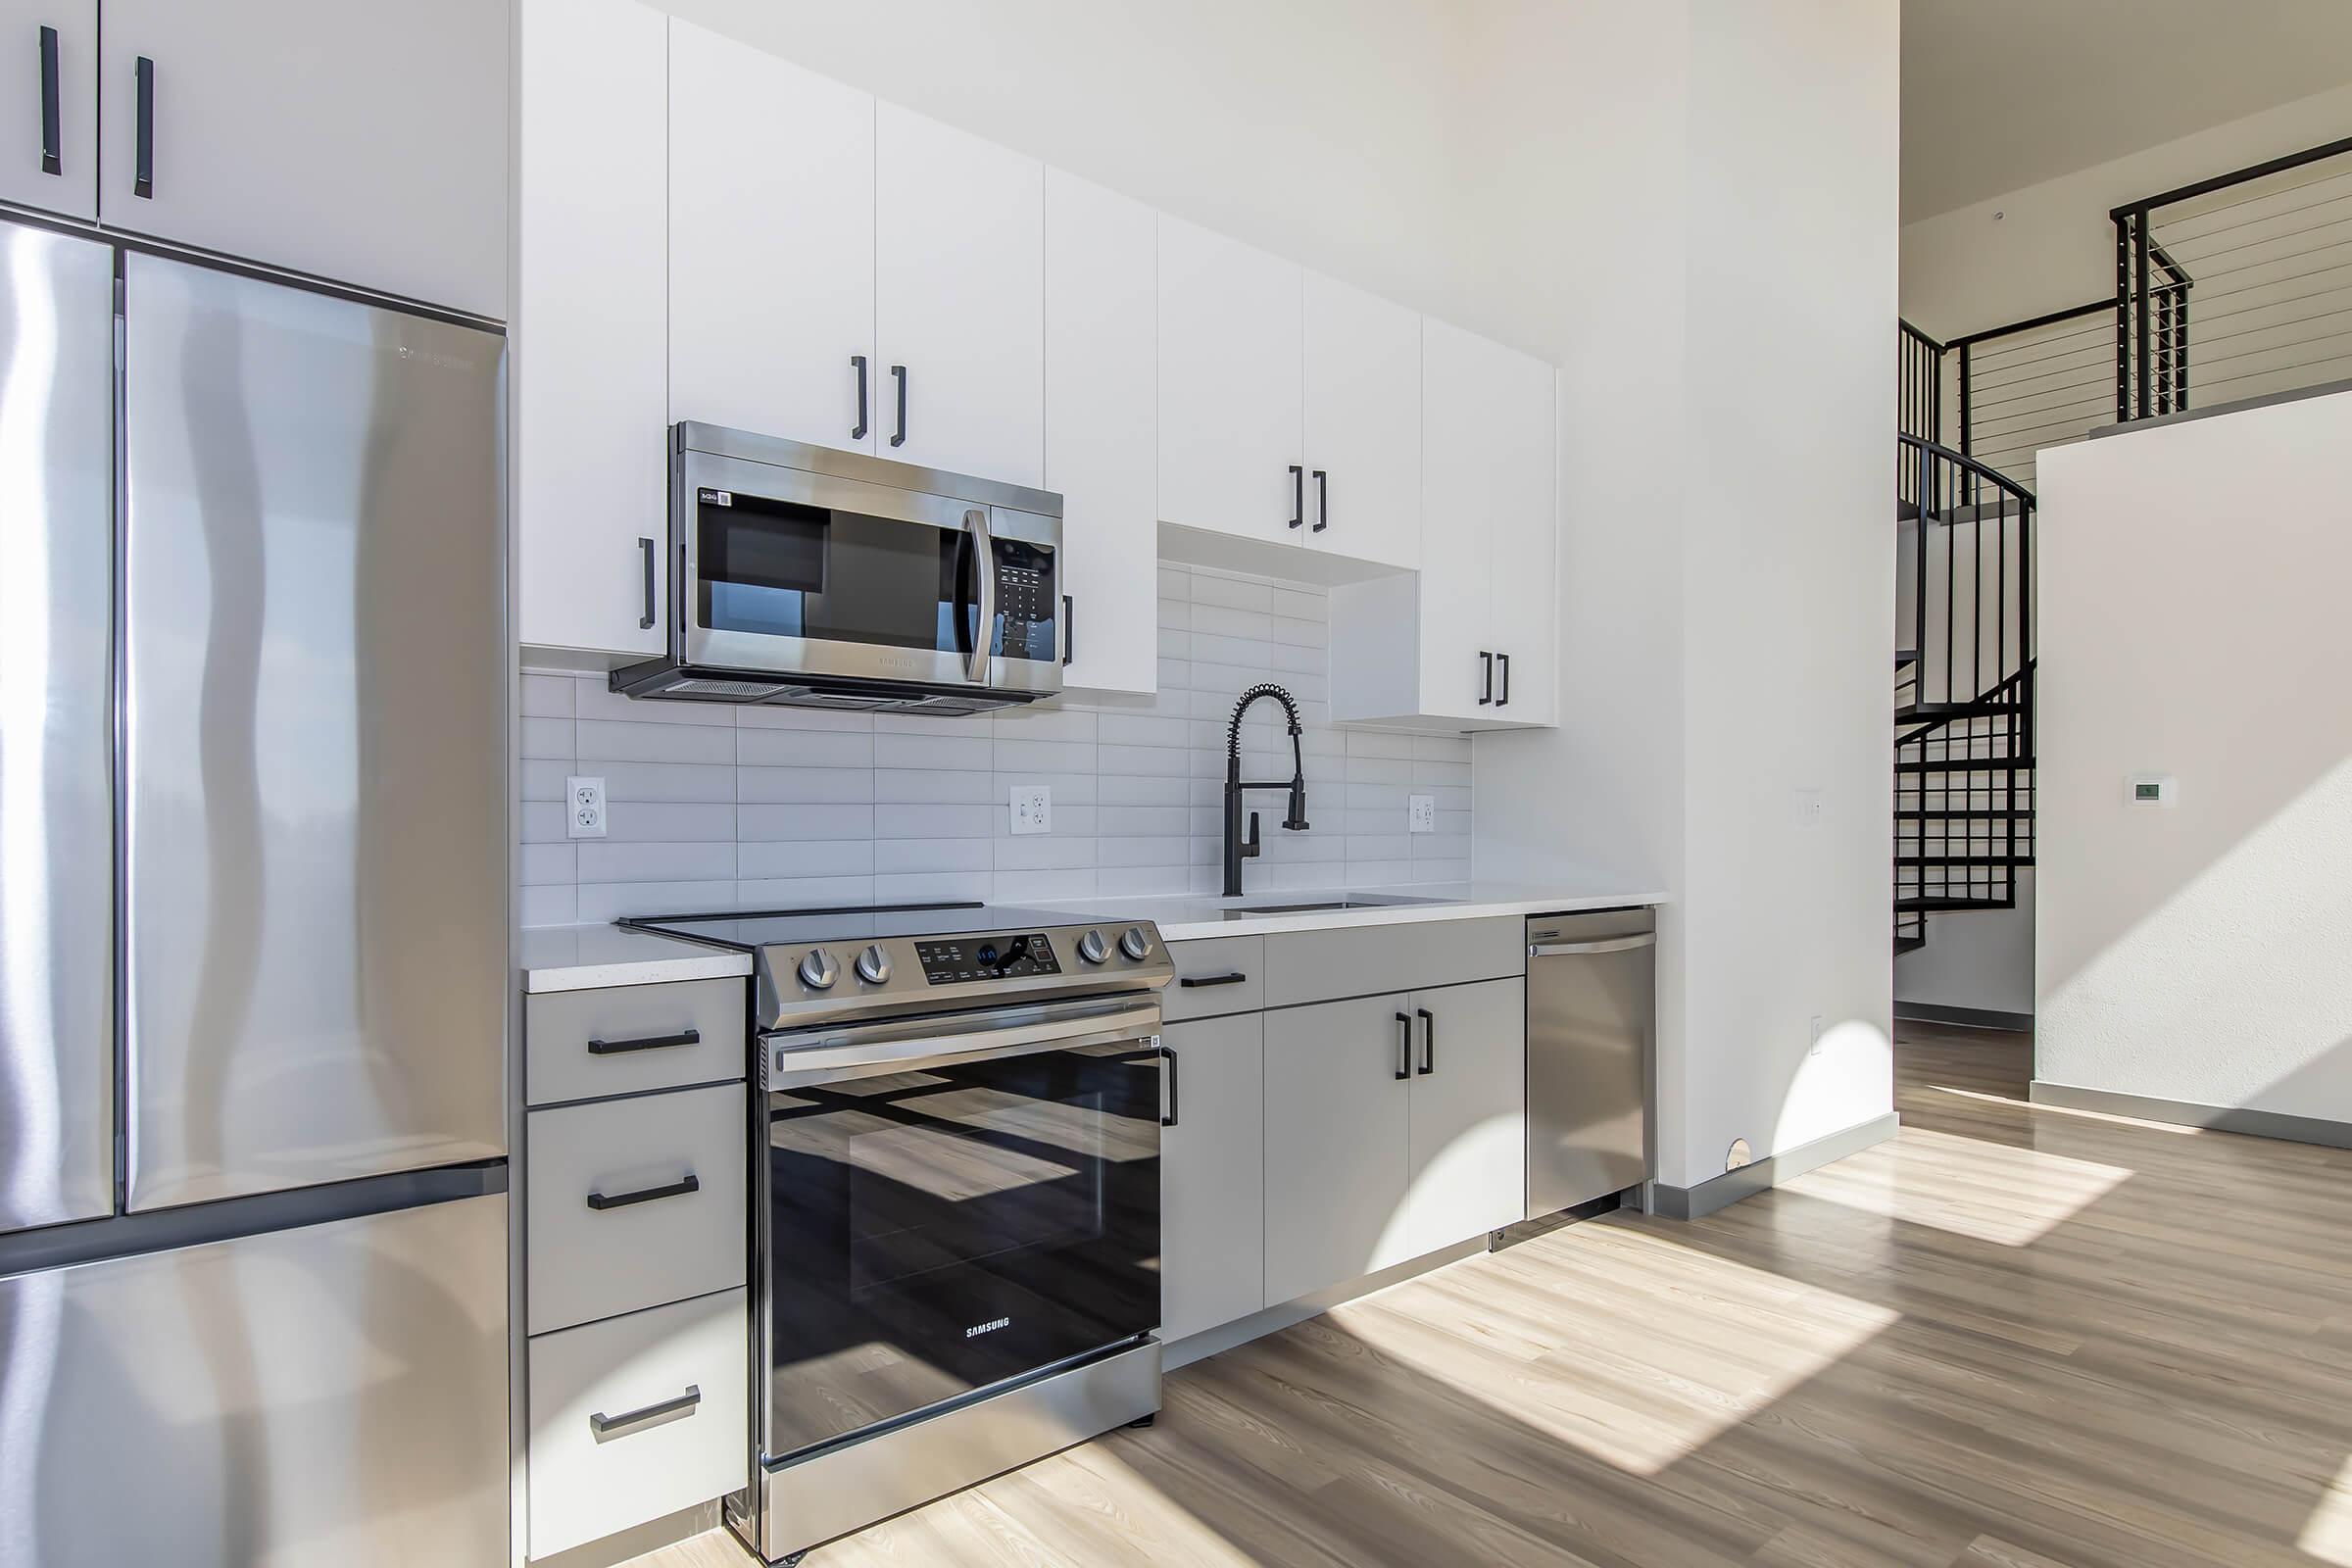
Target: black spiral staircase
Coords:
[[1963, 687]]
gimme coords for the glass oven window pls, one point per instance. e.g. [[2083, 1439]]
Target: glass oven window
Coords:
[[785, 569], [935, 1231]]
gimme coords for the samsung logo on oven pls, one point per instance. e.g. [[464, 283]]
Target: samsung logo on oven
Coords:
[[989, 1327], [716, 498]]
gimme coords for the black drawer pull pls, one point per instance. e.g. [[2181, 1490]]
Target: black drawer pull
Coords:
[[857, 430], [1404, 1047], [1191, 981], [142, 174], [51, 153], [899, 374], [607, 1426], [1298, 495], [600, 1202], [1429, 1042], [645, 616], [614, 1047], [1169, 1121], [1322, 501]]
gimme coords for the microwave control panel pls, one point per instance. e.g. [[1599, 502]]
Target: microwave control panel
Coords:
[[962, 959], [1027, 603]]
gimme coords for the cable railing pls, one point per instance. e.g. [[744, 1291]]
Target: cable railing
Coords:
[[2235, 287]]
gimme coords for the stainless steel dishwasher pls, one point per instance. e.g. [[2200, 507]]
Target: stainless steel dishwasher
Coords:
[[1592, 1034]]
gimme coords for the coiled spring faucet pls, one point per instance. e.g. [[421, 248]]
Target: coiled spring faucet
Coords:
[[1237, 849]]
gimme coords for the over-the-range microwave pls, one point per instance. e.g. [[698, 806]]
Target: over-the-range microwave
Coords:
[[817, 579]]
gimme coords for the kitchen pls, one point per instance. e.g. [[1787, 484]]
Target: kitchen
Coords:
[[985, 640]]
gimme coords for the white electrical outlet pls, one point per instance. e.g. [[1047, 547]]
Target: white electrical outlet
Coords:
[[1032, 808], [584, 806], [1420, 814], [1814, 1049]]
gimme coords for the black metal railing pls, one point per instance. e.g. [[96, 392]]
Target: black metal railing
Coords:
[[1964, 685], [2040, 383], [2264, 253], [1919, 397]]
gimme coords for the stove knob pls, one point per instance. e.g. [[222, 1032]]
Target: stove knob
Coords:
[[1134, 944], [1092, 947], [873, 965], [818, 972]]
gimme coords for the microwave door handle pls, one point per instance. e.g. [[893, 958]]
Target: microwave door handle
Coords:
[[984, 569]]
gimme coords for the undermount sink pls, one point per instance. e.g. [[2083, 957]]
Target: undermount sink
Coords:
[[1365, 901]]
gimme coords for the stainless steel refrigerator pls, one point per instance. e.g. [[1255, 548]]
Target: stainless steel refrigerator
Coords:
[[253, 920]]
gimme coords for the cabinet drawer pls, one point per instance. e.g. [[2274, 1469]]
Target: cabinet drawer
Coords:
[[1359, 960], [682, 1369], [614, 1226], [1203, 987], [622, 1040]]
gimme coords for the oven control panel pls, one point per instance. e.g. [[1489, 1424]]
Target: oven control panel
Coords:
[[958, 961]]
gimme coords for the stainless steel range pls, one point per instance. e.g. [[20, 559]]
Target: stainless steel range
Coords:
[[958, 1240]]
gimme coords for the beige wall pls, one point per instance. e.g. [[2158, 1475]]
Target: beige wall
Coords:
[[2192, 625]]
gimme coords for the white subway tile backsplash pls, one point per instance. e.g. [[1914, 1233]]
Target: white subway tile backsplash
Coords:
[[774, 808]]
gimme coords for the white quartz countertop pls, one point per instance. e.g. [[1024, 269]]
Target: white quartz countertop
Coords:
[[581, 957], [1189, 918]]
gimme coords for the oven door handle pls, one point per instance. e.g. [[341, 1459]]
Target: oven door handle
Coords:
[[876, 1049], [984, 575]]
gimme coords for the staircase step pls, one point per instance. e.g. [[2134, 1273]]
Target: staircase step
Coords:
[[1977, 709], [1931, 906], [1964, 860], [1905, 656], [1998, 813], [1903, 945], [1963, 764]]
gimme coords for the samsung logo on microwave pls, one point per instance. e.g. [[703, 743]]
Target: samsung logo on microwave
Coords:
[[716, 498], [989, 1327]]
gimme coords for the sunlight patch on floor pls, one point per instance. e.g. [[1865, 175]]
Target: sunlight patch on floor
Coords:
[[2327, 1533], [1986, 1191], [1638, 1355]]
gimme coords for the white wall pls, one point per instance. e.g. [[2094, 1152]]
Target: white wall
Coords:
[[1980, 960], [1693, 716], [2054, 246], [2192, 625]]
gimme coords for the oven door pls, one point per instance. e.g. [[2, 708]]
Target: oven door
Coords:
[[947, 1209], [796, 572]]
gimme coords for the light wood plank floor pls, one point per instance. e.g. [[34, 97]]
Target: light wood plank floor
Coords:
[[2009, 1338]]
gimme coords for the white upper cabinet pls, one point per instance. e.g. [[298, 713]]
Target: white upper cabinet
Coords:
[[590, 340], [49, 136], [960, 226], [1231, 387], [357, 141], [1101, 397], [772, 246], [1363, 424], [1469, 639]]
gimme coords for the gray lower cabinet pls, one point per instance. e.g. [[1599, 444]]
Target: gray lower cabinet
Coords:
[[1339, 1093], [1467, 1146], [1212, 1179]]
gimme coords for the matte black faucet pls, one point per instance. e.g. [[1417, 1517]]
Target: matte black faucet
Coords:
[[1237, 849]]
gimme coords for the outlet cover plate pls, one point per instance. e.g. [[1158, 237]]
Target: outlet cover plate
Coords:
[[584, 807], [1032, 808], [1421, 813]]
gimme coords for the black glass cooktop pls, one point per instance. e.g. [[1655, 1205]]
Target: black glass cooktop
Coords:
[[750, 929]]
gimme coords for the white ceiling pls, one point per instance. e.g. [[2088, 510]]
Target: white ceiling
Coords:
[[1998, 94]]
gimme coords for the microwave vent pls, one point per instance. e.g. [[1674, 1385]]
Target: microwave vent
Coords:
[[724, 691]]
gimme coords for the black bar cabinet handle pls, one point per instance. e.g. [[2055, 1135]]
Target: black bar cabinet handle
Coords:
[[142, 176], [645, 616], [1298, 495], [1429, 1042], [1485, 665], [1505, 660], [1322, 501], [1404, 1047], [1169, 1121], [644, 1194], [1190, 981], [614, 1047], [51, 161], [857, 430], [897, 373], [607, 1426], [1069, 628]]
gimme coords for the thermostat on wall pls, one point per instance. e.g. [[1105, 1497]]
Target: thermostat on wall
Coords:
[[2148, 789]]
